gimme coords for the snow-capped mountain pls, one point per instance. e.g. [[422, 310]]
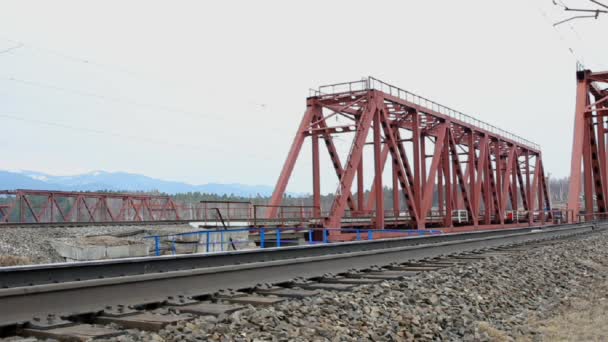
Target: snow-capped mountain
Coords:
[[119, 181]]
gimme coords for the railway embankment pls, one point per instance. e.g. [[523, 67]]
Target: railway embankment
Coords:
[[522, 294]]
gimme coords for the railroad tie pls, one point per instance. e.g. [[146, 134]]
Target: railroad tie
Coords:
[[142, 320], [75, 332], [284, 292], [207, 309], [236, 297]]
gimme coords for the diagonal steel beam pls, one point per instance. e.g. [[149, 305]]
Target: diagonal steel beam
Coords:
[[294, 152], [506, 185], [334, 220], [400, 168], [481, 164], [429, 186], [522, 186], [457, 169], [333, 154]]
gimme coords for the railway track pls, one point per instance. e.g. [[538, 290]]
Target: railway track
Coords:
[[61, 301]]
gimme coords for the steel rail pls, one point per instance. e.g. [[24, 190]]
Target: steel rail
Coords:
[[78, 271], [20, 304]]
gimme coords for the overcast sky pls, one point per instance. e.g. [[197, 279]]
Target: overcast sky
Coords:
[[213, 91]]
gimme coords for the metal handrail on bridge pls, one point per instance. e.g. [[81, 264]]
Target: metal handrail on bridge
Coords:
[[224, 238], [371, 83]]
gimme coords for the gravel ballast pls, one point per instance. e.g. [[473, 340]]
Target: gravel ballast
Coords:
[[516, 297], [494, 299]]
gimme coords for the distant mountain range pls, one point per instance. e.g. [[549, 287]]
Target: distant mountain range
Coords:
[[120, 181]]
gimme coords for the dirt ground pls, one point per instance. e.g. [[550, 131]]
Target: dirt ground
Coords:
[[580, 318]]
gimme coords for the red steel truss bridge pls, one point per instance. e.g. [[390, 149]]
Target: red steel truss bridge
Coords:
[[447, 167], [590, 145], [40, 206]]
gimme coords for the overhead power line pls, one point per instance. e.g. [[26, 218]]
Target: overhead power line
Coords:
[[77, 59], [11, 48], [147, 139], [140, 139], [115, 68], [595, 11], [105, 97], [579, 58]]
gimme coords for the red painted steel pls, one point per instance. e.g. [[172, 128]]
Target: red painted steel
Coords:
[[473, 166], [589, 145], [39, 206]]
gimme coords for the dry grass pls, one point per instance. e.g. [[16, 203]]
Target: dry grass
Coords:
[[583, 320], [493, 333], [11, 260]]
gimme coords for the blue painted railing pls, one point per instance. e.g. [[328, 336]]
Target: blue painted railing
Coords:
[[211, 237]]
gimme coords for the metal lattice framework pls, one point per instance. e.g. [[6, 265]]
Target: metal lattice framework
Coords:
[[443, 161], [589, 146], [40, 206]]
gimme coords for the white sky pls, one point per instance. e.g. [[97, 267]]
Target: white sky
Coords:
[[202, 91]]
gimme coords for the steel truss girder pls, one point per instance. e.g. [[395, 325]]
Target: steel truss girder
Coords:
[[40, 206], [589, 145], [486, 180]]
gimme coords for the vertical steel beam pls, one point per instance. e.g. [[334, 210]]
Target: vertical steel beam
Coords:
[[423, 170], [378, 167], [361, 187], [449, 202], [587, 178], [499, 181], [440, 189], [371, 199], [396, 204], [471, 175], [489, 185], [528, 187], [574, 190], [418, 172], [316, 176], [601, 144], [514, 191]]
